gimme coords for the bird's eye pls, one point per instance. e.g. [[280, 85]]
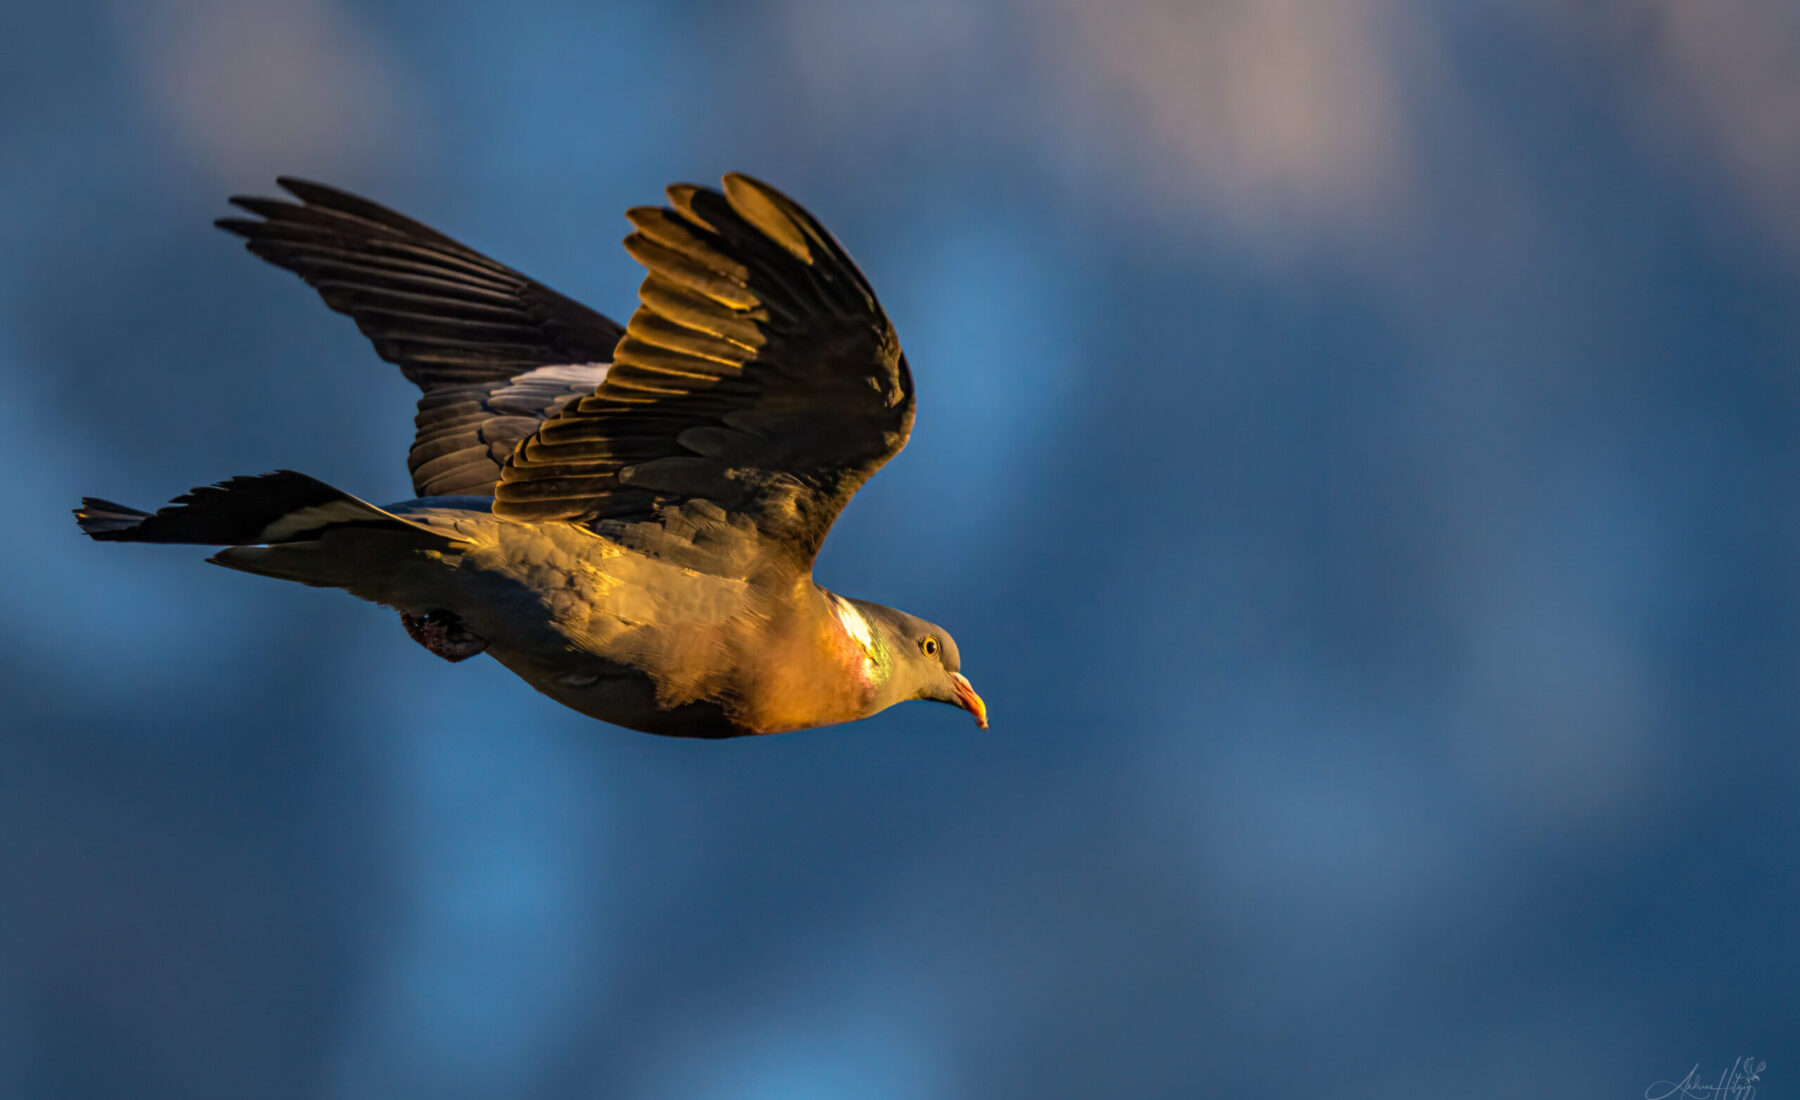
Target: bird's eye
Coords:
[[930, 645]]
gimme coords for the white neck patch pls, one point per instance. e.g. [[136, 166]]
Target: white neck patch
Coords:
[[857, 626]]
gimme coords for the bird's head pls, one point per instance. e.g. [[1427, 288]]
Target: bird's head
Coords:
[[909, 658]]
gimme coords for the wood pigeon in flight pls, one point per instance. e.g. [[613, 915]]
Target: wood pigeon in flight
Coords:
[[624, 517]]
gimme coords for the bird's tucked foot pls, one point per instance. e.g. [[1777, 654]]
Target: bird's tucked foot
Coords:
[[444, 634]]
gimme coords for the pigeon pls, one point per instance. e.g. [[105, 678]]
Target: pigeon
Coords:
[[624, 517]]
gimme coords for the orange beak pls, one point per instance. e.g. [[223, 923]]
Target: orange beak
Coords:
[[968, 700]]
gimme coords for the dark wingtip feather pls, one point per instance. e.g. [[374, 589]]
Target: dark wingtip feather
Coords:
[[323, 194], [267, 209], [107, 521]]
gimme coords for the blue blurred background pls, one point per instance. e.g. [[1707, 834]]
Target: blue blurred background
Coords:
[[1358, 452]]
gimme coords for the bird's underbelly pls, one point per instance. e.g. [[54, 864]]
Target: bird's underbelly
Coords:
[[626, 640], [622, 695], [686, 689]]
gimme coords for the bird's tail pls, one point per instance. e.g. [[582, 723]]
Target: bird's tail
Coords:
[[268, 509], [285, 525]]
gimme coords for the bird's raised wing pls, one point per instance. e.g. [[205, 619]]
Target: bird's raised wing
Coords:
[[759, 373], [481, 340]]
